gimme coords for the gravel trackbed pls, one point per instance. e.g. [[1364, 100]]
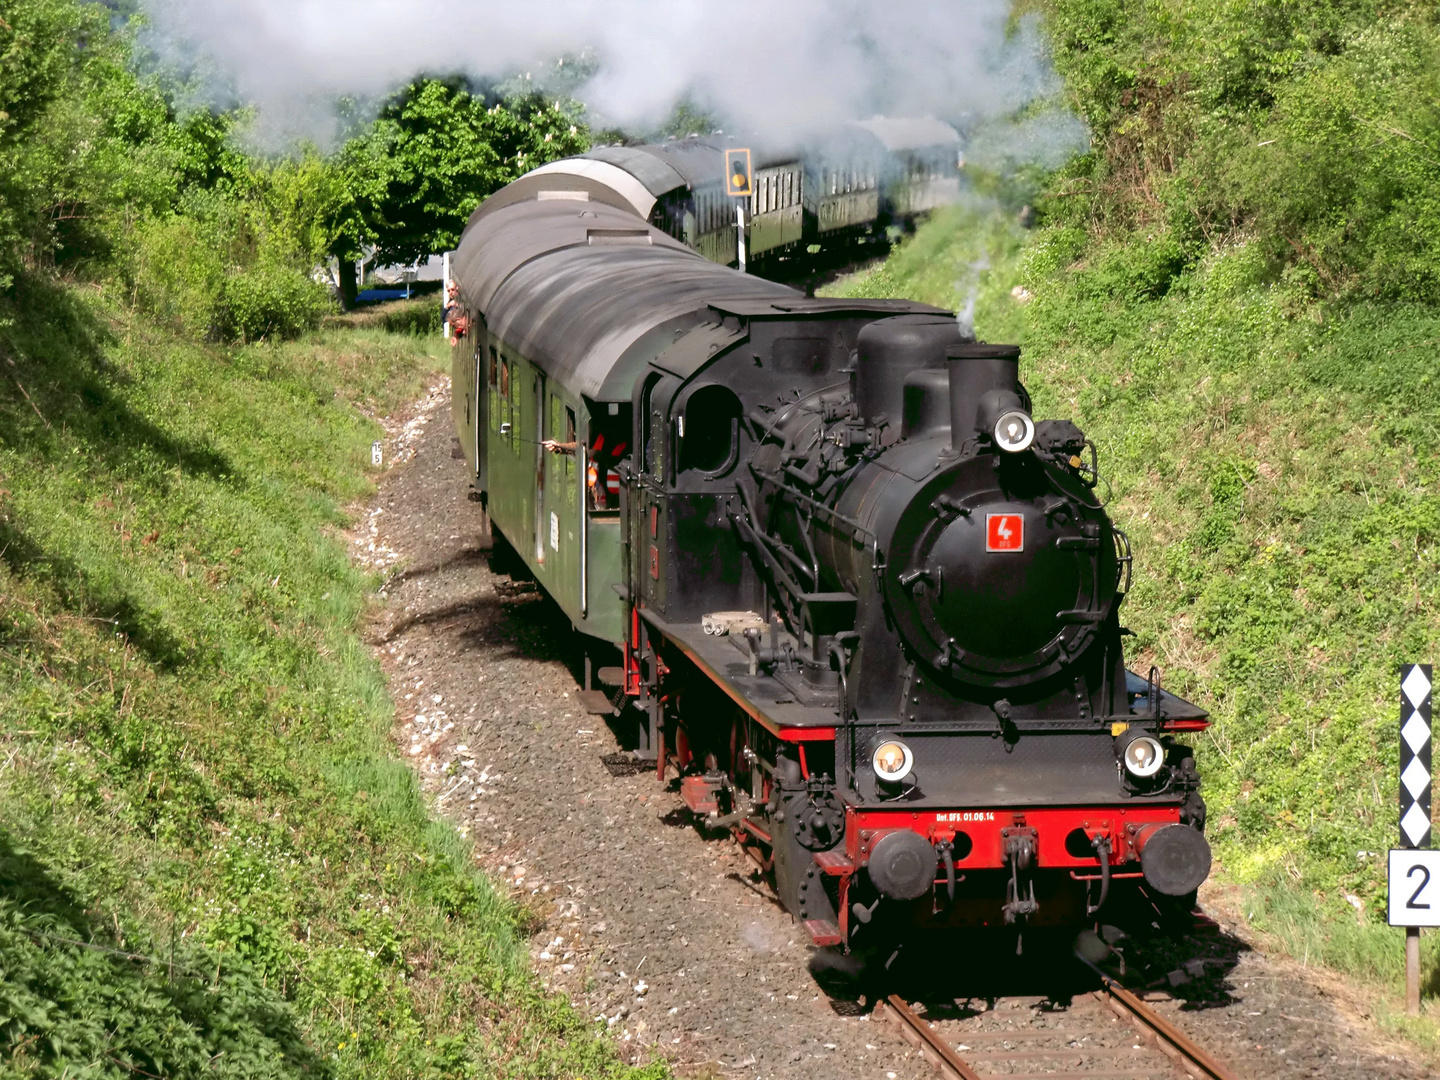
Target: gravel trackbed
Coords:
[[665, 935]]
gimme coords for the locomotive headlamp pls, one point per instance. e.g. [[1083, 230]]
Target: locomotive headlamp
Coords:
[[893, 761], [1014, 431], [1143, 756]]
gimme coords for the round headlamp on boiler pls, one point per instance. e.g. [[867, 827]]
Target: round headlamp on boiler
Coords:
[[1014, 431]]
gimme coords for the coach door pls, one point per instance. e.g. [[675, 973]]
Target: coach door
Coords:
[[561, 504], [540, 454]]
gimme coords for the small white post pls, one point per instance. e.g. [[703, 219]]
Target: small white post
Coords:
[[740, 233]]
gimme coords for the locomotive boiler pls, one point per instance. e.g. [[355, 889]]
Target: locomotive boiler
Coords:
[[867, 605]]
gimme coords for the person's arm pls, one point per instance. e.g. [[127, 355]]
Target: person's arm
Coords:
[[558, 447]]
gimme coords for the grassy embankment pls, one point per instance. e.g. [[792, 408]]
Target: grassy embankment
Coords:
[[1275, 461], [210, 863]]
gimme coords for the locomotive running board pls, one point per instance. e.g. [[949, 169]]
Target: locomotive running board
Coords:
[[784, 717]]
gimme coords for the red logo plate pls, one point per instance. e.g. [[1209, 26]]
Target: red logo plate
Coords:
[[1004, 532]]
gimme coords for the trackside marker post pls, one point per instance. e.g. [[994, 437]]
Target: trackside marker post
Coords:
[[1414, 876]]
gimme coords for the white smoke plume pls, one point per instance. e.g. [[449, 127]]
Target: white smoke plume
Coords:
[[969, 284], [776, 69]]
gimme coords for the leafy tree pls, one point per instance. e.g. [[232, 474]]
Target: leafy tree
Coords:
[[39, 52], [437, 149], [1309, 127]]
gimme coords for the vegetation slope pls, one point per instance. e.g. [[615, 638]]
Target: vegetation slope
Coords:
[[1234, 293], [210, 861]]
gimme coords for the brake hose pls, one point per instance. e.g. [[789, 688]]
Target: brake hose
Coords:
[[1101, 844]]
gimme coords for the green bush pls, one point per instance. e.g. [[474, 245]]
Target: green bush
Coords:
[[1309, 127], [269, 302], [177, 272], [418, 316]]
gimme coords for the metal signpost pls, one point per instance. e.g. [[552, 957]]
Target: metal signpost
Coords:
[[1414, 869]]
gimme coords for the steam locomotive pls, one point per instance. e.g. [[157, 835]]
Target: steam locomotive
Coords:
[[867, 606]]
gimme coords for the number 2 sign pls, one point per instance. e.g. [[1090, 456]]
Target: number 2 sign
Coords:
[[1414, 888]]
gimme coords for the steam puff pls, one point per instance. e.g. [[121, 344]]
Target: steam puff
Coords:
[[774, 67]]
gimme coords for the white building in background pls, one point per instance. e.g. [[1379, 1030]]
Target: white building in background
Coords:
[[383, 277], [431, 269]]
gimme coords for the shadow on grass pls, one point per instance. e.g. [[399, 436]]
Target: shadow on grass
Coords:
[[142, 628], [76, 993], [60, 401], [56, 384]]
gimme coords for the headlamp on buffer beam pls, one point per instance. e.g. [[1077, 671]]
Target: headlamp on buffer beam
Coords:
[[892, 761], [1141, 754]]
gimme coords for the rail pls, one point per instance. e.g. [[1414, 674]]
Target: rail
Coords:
[[919, 1034], [1170, 1040], [1182, 1053]]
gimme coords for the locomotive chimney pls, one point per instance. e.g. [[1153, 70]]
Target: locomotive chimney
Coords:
[[984, 387]]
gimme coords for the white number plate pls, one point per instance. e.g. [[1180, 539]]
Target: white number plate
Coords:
[[1414, 888]]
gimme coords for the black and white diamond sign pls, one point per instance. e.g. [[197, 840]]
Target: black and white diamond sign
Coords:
[[1415, 698]]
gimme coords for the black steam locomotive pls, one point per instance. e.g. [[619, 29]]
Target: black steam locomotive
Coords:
[[868, 606]]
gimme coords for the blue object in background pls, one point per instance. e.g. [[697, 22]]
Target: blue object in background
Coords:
[[375, 296]]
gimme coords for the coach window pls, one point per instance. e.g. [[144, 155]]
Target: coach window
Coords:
[[609, 432], [708, 430], [509, 410], [569, 441]]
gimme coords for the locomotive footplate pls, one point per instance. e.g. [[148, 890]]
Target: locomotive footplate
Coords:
[[766, 699]]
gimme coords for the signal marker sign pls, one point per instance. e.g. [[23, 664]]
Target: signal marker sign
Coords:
[[1414, 879], [1415, 752], [1414, 888], [1004, 532]]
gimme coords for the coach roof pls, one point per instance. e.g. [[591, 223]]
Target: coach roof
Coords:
[[572, 284]]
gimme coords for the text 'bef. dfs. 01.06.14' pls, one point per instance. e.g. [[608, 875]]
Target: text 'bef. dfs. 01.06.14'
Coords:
[[867, 605]]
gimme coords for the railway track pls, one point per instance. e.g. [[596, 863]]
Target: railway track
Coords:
[[1109, 1034]]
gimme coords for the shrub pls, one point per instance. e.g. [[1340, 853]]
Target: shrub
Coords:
[[415, 317], [269, 302], [177, 272]]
